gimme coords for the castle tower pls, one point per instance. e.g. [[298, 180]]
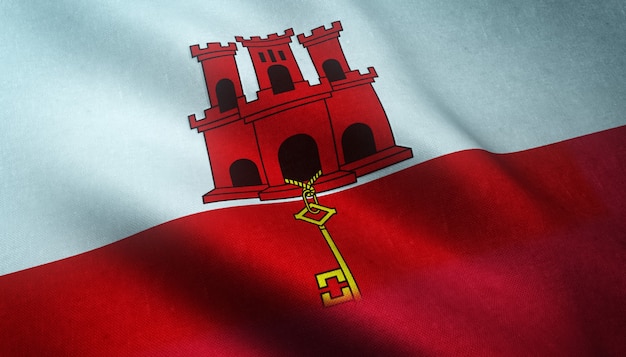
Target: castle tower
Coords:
[[362, 133], [236, 165], [220, 74], [325, 51], [275, 66]]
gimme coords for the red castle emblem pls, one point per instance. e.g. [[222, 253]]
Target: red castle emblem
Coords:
[[294, 129]]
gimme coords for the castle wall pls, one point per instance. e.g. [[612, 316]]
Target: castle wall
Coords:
[[310, 119], [227, 144], [359, 104]]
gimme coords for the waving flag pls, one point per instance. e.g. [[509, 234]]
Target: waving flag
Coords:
[[471, 199]]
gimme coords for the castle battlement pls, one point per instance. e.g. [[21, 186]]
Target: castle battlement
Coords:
[[270, 40], [355, 78], [320, 34], [293, 129], [212, 50], [211, 120]]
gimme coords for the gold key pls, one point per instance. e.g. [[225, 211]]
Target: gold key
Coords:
[[311, 213]]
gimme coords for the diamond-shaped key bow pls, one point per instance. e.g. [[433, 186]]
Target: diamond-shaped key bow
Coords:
[[317, 214]]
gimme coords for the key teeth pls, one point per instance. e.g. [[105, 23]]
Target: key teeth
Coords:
[[328, 300], [322, 283]]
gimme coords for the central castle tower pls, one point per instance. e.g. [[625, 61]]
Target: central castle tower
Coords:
[[293, 129]]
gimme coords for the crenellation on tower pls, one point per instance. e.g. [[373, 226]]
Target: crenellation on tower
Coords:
[[213, 118], [320, 34], [212, 50], [293, 129], [355, 78], [269, 40]]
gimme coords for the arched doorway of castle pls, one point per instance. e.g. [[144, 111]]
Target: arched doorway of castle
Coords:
[[280, 79], [226, 96], [299, 158], [332, 70], [357, 142], [244, 172]]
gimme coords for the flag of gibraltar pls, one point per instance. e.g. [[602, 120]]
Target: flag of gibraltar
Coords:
[[386, 179]]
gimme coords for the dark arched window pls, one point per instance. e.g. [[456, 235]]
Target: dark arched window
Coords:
[[298, 158], [244, 172], [280, 79], [333, 70], [226, 96], [357, 142]]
